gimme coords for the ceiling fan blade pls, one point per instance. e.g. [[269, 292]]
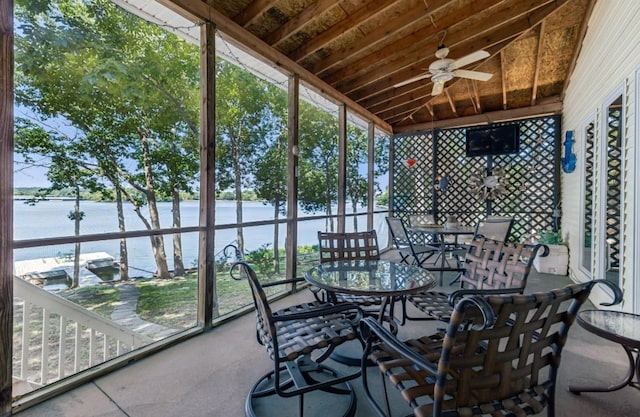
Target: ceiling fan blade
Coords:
[[472, 75], [468, 59], [410, 80], [438, 87]]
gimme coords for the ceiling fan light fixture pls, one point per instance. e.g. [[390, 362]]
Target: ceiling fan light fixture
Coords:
[[442, 77]]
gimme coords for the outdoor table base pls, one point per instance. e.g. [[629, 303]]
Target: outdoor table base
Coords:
[[619, 327]]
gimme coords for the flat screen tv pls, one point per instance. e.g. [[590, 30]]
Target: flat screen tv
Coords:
[[495, 140]]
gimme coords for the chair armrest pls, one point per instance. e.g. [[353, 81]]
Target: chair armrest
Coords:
[[456, 295], [283, 282], [370, 329], [322, 311], [617, 292]]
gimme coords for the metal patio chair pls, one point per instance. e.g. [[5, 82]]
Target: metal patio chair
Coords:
[[349, 246], [409, 252], [298, 339], [504, 365], [497, 228], [490, 267]]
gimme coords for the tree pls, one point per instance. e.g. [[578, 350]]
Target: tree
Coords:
[[242, 118], [125, 86], [318, 181], [66, 169], [357, 184]]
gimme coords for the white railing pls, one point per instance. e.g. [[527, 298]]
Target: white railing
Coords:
[[54, 337]]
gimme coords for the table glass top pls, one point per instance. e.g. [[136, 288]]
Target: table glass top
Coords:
[[613, 325], [370, 277]]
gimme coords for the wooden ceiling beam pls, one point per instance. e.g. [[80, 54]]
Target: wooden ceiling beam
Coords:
[[536, 72], [199, 10], [476, 96], [285, 31], [450, 100], [533, 19], [503, 80], [403, 64], [253, 12], [401, 105], [386, 98], [366, 13], [415, 50], [387, 33], [554, 106]]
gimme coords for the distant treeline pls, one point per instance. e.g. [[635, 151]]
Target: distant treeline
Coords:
[[248, 195]]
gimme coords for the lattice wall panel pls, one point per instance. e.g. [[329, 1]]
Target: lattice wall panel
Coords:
[[413, 184], [532, 173], [453, 163]]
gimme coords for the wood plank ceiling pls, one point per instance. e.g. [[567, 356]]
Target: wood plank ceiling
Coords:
[[365, 48]]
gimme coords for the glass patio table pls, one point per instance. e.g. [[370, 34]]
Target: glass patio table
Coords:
[[619, 327], [380, 278]]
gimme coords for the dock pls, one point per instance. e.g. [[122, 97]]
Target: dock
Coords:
[[61, 268]]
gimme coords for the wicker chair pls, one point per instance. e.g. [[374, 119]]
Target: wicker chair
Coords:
[[409, 252], [505, 365], [489, 268], [298, 339]]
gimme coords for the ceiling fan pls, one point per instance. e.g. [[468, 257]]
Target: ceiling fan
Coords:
[[444, 69]]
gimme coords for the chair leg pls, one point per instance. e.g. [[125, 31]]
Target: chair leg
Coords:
[[264, 397]]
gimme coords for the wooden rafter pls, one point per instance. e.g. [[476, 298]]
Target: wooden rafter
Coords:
[[503, 77], [451, 103], [476, 96], [298, 22], [253, 12], [364, 14], [360, 51], [536, 73], [393, 30]]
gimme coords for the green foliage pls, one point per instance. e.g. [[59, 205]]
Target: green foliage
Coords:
[[549, 237], [261, 260]]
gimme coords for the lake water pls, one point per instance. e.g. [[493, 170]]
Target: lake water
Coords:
[[49, 219]]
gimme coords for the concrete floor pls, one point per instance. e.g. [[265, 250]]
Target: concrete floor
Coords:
[[211, 374]]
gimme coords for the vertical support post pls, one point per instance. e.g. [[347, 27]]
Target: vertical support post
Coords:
[[292, 176], [342, 166], [6, 204], [207, 294], [370, 173]]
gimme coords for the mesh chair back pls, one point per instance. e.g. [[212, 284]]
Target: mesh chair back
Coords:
[[516, 356], [494, 228], [350, 246], [497, 265], [504, 365], [398, 232]]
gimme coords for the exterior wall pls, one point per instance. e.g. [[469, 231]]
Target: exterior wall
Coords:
[[608, 65]]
